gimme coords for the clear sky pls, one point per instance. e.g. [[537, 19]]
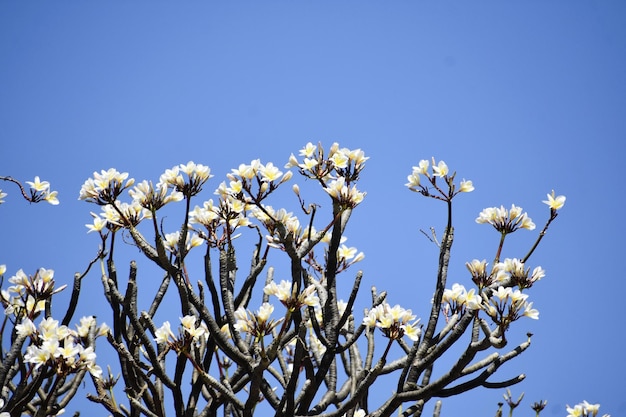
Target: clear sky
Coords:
[[520, 97]]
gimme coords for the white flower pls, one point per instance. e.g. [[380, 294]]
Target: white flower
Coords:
[[555, 203]]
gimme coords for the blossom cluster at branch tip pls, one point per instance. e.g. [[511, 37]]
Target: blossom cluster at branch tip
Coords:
[[118, 215], [251, 183], [257, 324], [343, 194], [338, 170], [60, 347], [506, 221], [171, 241], [395, 322], [459, 298], [190, 333], [279, 224], [438, 169], [105, 187], [153, 197], [28, 294], [40, 191], [511, 271], [584, 409], [555, 202], [189, 184], [516, 272], [507, 305], [286, 293]]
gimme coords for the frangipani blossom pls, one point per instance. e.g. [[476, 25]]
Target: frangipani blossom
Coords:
[[285, 292], [505, 221], [395, 322], [554, 202]]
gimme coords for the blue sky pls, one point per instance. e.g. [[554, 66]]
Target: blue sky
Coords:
[[520, 97]]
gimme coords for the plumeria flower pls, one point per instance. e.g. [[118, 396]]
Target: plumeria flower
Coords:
[[105, 187], [308, 150], [458, 298], [478, 269], [29, 292], [51, 198], [2, 196], [344, 195], [171, 241], [189, 326], [196, 176], [285, 293], [514, 271], [26, 328], [339, 159], [153, 197], [555, 203], [440, 170], [507, 305], [164, 333], [506, 221], [99, 223], [347, 256], [395, 322], [269, 172], [39, 186], [40, 190], [584, 409], [89, 322], [414, 180], [466, 186], [57, 347], [257, 324]]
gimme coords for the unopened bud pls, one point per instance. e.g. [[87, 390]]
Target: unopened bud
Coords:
[[286, 177]]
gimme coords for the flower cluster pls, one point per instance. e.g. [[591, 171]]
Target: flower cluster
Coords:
[[191, 332], [151, 197], [40, 191], [393, 321], [337, 171], [458, 298], [172, 240], [437, 170], [256, 324], [507, 305], [230, 213], [255, 181], [343, 194], [506, 221], [189, 184], [509, 272], [288, 296], [104, 188], [59, 347], [278, 223], [28, 294], [584, 409], [118, 215]]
